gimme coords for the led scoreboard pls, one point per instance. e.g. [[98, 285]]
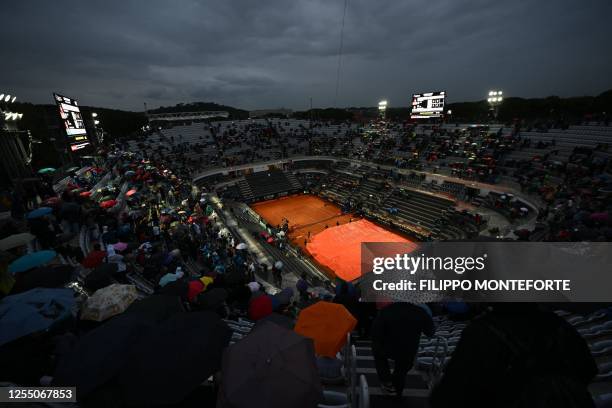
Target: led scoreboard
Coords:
[[428, 105], [73, 122]]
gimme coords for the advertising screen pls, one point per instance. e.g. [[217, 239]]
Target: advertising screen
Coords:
[[72, 119], [428, 105]]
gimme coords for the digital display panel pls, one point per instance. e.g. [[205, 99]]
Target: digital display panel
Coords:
[[428, 105], [73, 122]]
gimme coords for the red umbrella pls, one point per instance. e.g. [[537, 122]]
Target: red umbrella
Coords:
[[195, 288], [260, 307], [131, 192], [85, 194], [108, 203]]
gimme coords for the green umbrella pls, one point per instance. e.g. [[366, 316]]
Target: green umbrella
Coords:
[[46, 170]]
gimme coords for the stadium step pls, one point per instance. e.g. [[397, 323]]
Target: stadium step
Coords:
[[415, 393], [245, 190], [294, 181]]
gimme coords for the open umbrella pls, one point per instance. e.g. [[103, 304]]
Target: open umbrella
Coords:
[[108, 203], [272, 365], [108, 302], [131, 192], [327, 324], [43, 277], [129, 173], [120, 246], [46, 170], [157, 307], [278, 265], [33, 311], [278, 319], [15, 241], [52, 201], [31, 260], [100, 354], [39, 212], [101, 276], [173, 360], [241, 246], [85, 194]]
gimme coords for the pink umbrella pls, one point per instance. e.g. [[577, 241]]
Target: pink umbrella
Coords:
[[120, 246], [131, 192]]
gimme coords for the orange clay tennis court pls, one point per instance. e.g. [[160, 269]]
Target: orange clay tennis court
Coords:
[[336, 248]]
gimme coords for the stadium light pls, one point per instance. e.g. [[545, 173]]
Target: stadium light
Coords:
[[13, 100], [7, 98], [382, 105], [1, 97], [495, 99], [96, 122], [95, 115]]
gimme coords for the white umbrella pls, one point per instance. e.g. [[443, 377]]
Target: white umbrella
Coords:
[[16, 240], [241, 245], [278, 265], [524, 209], [108, 302], [281, 233]]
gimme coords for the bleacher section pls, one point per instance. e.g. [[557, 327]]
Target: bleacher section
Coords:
[[421, 209], [267, 184]]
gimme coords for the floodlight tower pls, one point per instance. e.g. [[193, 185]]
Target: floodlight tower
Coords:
[[98, 128], [495, 99], [382, 108]]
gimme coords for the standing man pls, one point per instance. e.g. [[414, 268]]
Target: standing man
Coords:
[[396, 332]]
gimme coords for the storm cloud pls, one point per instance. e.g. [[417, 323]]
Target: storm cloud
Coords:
[[280, 53]]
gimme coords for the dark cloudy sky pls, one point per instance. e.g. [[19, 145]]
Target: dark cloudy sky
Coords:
[[264, 54]]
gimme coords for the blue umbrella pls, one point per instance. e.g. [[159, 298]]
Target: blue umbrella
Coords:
[[30, 261], [33, 311], [39, 212]]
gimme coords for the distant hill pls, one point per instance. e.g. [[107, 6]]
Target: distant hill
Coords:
[[235, 113], [549, 108]]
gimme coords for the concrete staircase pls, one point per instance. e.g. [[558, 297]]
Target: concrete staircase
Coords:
[[295, 183], [245, 190], [415, 393]]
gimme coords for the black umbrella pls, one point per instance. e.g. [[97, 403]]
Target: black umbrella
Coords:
[[173, 360], [273, 367], [99, 356], [276, 318], [211, 299], [158, 307], [43, 277], [177, 288], [101, 277]]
